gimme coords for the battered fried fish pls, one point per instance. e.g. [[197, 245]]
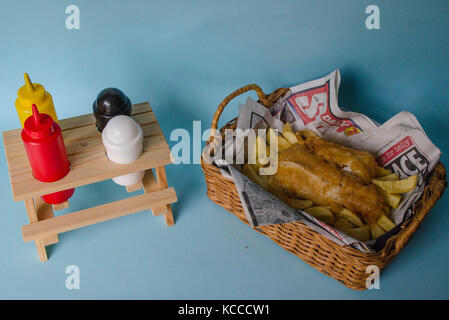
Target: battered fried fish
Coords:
[[311, 171], [361, 163]]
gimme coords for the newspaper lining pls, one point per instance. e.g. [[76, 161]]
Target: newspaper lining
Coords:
[[400, 144]]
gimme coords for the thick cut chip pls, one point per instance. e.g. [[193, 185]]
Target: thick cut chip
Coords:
[[392, 199], [321, 213], [398, 186], [385, 223], [380, 172], [390, 177], [262, 157], [270, 135], [282, 143], [358, 233], [300, 204], [251, 173], [288, 134], [376, 231], [351, 216]]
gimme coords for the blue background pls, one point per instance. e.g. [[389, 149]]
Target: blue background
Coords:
[[185, 57]]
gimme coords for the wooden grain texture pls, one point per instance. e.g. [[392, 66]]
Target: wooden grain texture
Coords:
[[134, 187], [79, 138], [32, 216], [44, 212], [169, 219], [162, 182], [77, 122], [31, 210], [149, 185], [161, 177], [81, 153], [86, 154], [41, 251], [88, 165], [61, 206], [97, 214]]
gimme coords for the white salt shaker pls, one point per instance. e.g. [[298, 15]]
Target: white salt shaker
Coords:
[[122, 138]]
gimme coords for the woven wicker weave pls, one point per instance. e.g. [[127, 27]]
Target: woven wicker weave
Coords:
[[342, 263]]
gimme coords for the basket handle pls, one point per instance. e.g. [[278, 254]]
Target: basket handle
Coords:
[[226, 100]]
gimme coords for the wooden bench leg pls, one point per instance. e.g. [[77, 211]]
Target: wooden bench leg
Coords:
[[41, 251], [162, 182], [134, 187], [44, 212], [169, 216], [32, 216], [60, 206], [149, 185]]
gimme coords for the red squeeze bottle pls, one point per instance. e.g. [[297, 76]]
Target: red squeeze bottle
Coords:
[[45, 148]]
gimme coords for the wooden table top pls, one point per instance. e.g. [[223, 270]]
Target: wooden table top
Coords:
[[86, 154]]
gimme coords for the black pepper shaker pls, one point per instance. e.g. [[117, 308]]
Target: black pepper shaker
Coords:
[[109, 103]]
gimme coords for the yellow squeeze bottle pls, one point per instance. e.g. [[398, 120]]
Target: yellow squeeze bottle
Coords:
[[33, 93]]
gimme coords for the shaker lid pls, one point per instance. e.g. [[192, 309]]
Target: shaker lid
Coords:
[[30, 91], [39, 125], [122, 130], [112, 101]]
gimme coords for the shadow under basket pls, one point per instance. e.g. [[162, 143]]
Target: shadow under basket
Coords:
[[343, 263]]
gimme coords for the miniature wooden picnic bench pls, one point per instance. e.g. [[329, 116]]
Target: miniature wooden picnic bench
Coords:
[[89, 165]]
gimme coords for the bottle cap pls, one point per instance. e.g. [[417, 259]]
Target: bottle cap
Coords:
[[110, 102], [30, 91], [122, 130], [39, 125]]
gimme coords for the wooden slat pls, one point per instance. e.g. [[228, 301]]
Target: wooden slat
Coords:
[[97, 214], [17, 157], [89, 119], [86, 154], [12, 136], [85, 159], [146, 120], [102, 170], [141, 107], [77, 122]]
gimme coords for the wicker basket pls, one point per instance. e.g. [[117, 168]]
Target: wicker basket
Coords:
[[342, 263]]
